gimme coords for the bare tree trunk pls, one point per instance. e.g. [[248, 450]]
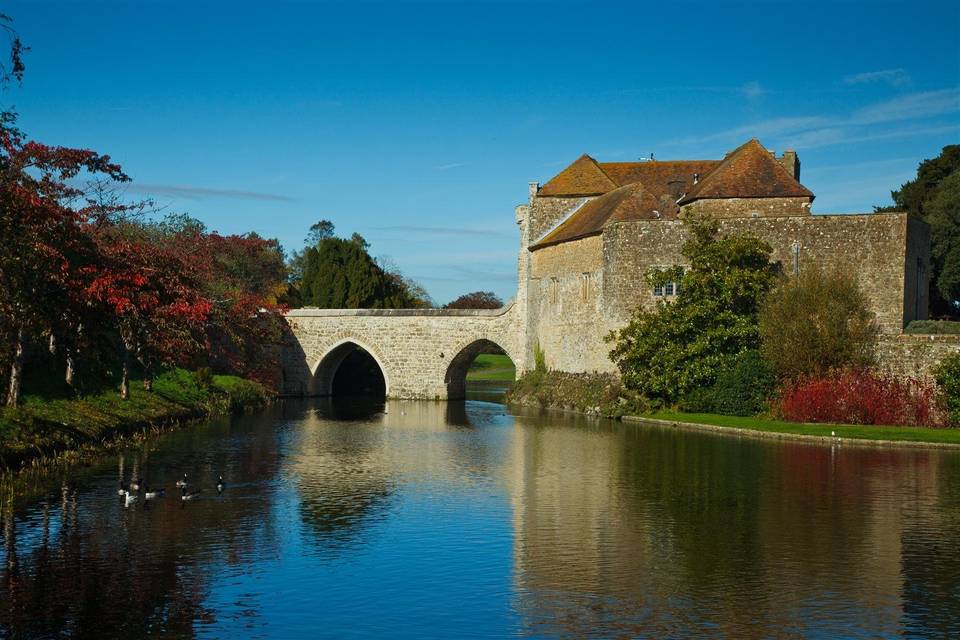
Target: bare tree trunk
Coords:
[[16, 373], [71, 369], [70, 352], [125, 380], [52, 345]]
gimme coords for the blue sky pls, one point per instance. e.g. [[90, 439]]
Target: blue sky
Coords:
[[419, 125]]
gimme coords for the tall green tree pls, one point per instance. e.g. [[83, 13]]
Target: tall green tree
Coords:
[[934, 196], [340, 274], [684, 344]]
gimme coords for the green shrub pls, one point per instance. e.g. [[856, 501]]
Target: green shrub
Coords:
[[539, 358], [685, 343], [947, 375], [741, 390], [817, 322]]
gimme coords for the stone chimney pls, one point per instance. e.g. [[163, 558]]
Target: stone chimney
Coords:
[[532, 189], [791, 163]]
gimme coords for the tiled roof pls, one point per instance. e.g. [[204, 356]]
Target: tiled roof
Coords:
[[631, 202], [582, 178], [749, 171], [674, 177]]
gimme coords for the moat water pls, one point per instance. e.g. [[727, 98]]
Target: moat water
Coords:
[[431, 520]]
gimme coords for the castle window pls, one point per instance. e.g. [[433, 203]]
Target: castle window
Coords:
[[667, 289], [585, 286]]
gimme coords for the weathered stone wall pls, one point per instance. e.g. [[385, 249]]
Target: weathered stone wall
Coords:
[[878, 248], [916, 356], [567, 309], [875, 247], [547, 213], [747, 207], [420, 352]]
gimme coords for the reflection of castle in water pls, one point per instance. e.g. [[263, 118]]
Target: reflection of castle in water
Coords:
[[621, 531]]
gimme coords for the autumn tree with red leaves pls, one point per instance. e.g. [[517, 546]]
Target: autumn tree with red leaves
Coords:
[[47, 253]]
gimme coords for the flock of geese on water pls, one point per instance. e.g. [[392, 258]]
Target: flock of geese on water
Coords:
[[138, 489]]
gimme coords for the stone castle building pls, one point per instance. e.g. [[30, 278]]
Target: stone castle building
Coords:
[[588, 237], [592, 232]]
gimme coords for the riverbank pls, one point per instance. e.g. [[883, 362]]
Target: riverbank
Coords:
[[603, 395], [42, 428]]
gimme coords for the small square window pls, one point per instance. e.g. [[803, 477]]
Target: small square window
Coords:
[[668, 289], [658, 290]]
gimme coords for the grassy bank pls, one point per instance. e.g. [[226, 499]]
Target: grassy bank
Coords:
[[855, 431], [603, 395], [42, 427], [490, 366]]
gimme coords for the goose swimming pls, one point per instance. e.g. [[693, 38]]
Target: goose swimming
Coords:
[[151, 495], [221, 485], [183, 482], [188, 496], [122, 489]]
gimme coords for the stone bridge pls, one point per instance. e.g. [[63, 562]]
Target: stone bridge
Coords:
[[421, 353]]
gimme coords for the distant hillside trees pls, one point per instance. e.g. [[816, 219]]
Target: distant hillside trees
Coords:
[[476, 300], [934, 196], [339, 273]]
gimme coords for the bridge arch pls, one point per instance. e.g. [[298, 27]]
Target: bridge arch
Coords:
[[345, 352], [455, 377]]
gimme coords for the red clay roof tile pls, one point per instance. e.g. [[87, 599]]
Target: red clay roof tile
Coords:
[[749, 171], [582, 178], [631, 202]]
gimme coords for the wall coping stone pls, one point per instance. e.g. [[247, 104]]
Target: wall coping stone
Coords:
[[316, 312]]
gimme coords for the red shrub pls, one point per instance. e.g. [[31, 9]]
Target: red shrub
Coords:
[[862, 397]]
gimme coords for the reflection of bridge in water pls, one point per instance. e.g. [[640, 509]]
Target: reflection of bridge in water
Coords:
[[397, 353]]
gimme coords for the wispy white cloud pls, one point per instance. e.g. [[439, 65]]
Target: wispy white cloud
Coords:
[[844, 135], [912, 106], [192, 192], [452, 165], [805, 132], [892, 77]]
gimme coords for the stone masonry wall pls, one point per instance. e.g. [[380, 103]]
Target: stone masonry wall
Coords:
[[415, 348], [747, 207], [876, 247], [547, 213], [916, 356], [567, 308]]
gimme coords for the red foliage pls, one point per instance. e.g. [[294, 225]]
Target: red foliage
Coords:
[[862, 397]]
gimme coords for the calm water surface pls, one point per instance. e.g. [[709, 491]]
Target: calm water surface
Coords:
[[433, 520]]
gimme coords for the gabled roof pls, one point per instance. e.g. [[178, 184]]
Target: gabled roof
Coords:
[[631, 202], [749, 171], [674, 177], [582, 178]]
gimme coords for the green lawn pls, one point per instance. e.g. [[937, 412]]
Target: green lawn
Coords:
[[861, 432], [490, 366]]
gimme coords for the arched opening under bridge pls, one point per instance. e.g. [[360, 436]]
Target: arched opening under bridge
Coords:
[[349, 369], [491, 364]]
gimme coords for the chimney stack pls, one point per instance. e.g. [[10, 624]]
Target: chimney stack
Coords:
[[791, 163], [532, 189]]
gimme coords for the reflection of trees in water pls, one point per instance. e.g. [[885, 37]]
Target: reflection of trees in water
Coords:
[[624, 531], [339, 470], [80, 564]]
